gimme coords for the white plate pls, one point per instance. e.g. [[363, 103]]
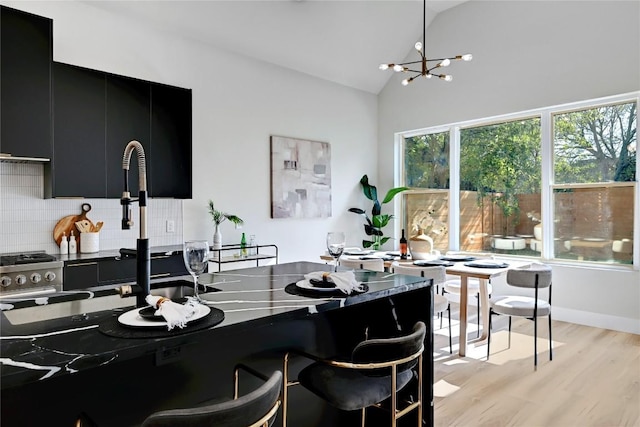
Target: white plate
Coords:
[[356, 253], [594, 239], [132, 317], [303, 284], [479, 263]]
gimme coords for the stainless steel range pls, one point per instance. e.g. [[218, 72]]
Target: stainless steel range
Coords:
[[29, 273]]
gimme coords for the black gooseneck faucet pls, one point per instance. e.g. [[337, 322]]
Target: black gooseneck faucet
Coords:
[[143, 254]]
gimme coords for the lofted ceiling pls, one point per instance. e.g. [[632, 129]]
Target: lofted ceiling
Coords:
[[342, 41]]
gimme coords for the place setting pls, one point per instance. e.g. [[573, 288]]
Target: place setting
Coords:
[[322, 284], [164, 316]]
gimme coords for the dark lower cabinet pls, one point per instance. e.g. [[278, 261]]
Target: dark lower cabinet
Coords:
[[78, 166], [79, 274], [25, 83]]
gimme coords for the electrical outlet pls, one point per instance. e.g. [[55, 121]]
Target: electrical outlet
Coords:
[[171, 226]]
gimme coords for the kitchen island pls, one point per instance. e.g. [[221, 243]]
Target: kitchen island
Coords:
[[58, 370]]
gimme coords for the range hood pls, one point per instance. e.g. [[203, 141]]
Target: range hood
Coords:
[[8, 158]]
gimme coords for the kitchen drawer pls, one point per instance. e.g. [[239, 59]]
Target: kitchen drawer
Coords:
[[116, 270], [80, 275]]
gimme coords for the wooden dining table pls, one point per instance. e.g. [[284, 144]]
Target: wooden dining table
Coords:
[[465, 272]]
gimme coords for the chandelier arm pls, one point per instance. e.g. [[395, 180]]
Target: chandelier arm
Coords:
[[410, 63]]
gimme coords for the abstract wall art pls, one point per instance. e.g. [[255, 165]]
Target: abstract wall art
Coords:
[[300, 178]]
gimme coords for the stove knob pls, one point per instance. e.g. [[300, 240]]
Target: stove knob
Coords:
[[21, 279], [36, 278], [49, 276], [5, 281]]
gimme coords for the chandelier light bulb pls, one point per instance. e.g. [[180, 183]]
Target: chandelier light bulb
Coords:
[[383, 66], [467, 57], [445, 63], [405, 82], [446, 77], [418, 46], [397, 68]]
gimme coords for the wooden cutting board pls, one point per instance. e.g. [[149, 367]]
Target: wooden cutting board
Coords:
[[68, 224]]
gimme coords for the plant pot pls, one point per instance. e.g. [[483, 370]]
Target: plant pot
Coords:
[[537, 231], [421, 247], [217, 238]]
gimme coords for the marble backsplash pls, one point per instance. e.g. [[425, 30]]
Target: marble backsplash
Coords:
[[27, 219]]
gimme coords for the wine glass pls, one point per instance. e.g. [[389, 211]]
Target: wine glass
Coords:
[[335, 245], [196, 258]]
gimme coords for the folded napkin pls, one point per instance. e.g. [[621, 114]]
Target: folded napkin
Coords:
[[344, 280], [175, 314]]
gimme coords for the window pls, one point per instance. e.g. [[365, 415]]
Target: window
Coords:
[[594, 172], [558, 182]]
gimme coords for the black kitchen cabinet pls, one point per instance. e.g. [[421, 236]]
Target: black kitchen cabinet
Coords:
[[170, 166], [78, 166], [79, 275], [128, 118], [25, 83]]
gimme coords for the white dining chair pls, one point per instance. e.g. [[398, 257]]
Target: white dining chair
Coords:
[[373, 264], [452, 288], [536, 277], [440, 303]]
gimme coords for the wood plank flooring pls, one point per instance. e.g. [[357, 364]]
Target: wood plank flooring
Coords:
[[593, 380]]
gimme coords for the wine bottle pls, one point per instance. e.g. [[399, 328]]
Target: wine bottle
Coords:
[[243, 246], [403, 246]]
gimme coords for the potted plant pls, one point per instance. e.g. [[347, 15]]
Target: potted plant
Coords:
[[378, 220], [218, 217]]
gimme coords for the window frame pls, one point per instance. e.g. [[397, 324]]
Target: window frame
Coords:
[[547, 177]]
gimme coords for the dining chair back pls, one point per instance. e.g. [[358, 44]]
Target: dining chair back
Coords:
[[438, 274], [373, 264]]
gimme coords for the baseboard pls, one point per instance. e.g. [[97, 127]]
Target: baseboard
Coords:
[[598, 320]]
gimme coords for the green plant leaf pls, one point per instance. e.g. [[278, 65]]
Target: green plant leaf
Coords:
[[357, 210], [370, 191], [372, 231], [392, 193], [377, 208]]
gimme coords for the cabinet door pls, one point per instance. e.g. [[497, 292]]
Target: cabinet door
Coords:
[[80, 275], [78, 166], [116, 270], [25, 86], [128, 118], [170, 167]]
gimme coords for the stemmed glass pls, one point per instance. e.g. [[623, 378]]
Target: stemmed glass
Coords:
[[196, 258], [335, 245]]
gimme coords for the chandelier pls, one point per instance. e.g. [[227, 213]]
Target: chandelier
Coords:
[[426, 70]]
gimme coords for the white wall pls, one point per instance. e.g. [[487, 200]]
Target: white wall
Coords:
[[237, 104], [529, 54]]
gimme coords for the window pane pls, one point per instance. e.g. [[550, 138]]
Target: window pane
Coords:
[[428, 213], [594, 224], [500, 170], [426, 161], [595, 145]]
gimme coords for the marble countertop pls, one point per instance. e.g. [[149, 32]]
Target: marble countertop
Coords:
[[249, 298]]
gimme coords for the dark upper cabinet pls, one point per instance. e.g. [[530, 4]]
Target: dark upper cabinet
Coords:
[[25, 83], [78, 167], [170, 166], [128, 118]]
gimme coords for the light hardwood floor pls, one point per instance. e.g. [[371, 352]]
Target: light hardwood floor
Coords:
[[593, 379]]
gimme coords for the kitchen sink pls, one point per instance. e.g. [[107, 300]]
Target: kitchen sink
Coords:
[[80, 307]]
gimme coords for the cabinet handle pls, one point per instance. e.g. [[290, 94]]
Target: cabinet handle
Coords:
[[160, 257], [155, 276], [81, 264]]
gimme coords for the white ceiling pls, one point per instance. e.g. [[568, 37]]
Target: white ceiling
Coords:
[[343, 41]]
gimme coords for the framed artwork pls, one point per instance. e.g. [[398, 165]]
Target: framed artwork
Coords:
[[300, 178]]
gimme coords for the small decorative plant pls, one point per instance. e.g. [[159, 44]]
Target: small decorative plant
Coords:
[[378, 220], [218, 218]]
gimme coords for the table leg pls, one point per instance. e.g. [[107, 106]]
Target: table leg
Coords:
[[484, 308], [462, 350]]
